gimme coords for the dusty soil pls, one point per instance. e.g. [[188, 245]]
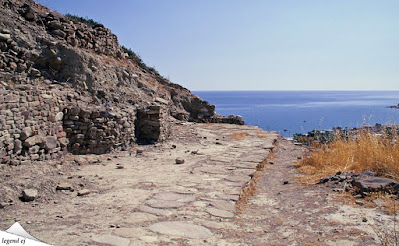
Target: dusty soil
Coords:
[[132, 193], [148, 199], [284, 212]]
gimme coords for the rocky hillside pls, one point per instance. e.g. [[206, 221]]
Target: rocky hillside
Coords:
[[68, 85], [41, 43]]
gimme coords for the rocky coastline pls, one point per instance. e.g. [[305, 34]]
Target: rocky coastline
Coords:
[[97, 148], [394, 106], [326, 136]]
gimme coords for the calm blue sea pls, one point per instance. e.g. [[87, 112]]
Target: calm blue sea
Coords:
[[289, 112]]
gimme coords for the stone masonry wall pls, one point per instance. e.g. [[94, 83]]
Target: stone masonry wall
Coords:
[[98, 130], [30, 124], [55, 74], [152, 124], [41, 120]]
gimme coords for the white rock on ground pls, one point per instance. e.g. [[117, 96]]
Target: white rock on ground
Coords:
[[111, 240], [181, 229]]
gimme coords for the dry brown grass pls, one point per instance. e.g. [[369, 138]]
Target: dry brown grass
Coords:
[[365, 152], [388, 202], [261, 135], [251, 188], [239, 135]]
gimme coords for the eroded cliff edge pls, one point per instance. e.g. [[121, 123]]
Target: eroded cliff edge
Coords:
[[69, 86]]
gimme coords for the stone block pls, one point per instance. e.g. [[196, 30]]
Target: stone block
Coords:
[[11, 98], [50, 142], [26, 162], [17, 145], [59, 116], [61, 134], [29, 195], [15, 162], [26, 133], [29, 142], [34, 149], [73, 117], [74, 111]]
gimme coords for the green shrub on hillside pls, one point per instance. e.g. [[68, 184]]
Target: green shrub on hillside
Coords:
[[137, 59], [86, 20]]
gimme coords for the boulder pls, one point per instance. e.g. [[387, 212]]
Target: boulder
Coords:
[[61, 134], [375, 184], [59, 116], [161, 100], [29, 195], [83, 192], [4, 36], [63, 142], [34, 149], [15, 162], [30, 14], [59, 33], [17, 145], [55, 24], [50, 143], [34, 72], [26, 133], [179, 160], [74, 111], [22, 67], [29, 142], [64, 186]]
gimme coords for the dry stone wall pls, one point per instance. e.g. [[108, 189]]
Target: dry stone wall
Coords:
[[98, 130], [30, 124], [37, 42], [56, 75], [41, 120], [152, 124]]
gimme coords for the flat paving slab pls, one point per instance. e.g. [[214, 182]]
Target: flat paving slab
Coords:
[[181, 229], [151, 200], [154, 201]]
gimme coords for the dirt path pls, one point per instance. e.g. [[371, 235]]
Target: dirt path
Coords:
[[149, 199], [286, 213], [144, 198]]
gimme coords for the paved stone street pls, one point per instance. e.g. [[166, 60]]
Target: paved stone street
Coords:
[[144, 196]]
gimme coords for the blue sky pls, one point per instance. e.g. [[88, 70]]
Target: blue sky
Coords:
[[257, 44]]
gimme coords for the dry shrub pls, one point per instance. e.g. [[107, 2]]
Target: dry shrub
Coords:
[[271, 156], [238, 135], [261, 135], [251, 188], [388, 202], [366, 151]]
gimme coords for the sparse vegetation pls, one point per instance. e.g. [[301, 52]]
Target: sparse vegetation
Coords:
[[132, 55], [238, 135], [86, 20], [137, 59], [261, 135], [250, 190], [365, 151]]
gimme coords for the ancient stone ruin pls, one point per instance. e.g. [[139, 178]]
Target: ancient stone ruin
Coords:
[[68, 86], [40, 121]]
